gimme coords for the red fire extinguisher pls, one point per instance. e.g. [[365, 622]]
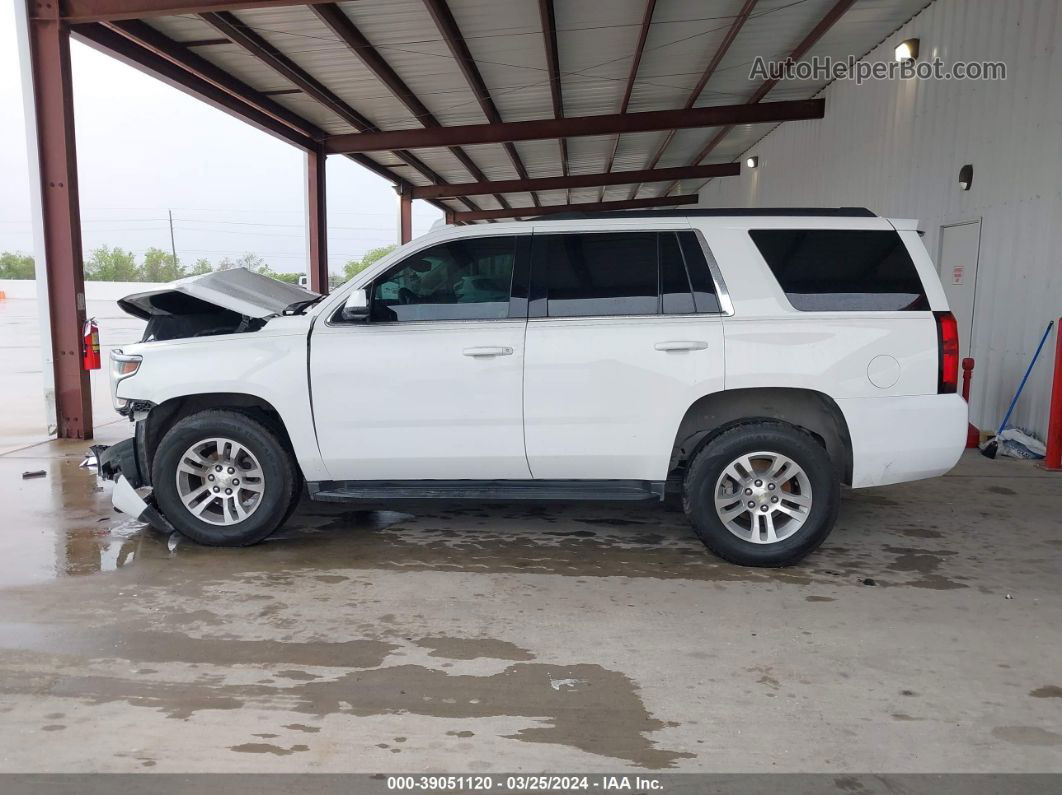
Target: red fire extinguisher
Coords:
[[91, 343]]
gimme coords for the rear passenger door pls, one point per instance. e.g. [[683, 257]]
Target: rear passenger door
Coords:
[[624, 333]]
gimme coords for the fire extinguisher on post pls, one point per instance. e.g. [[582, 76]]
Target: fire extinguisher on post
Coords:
[[91, 343]]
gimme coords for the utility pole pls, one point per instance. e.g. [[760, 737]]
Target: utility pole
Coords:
[[173, 246]]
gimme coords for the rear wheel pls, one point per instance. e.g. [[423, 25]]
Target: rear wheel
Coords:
[[762, 494], [224, 479]]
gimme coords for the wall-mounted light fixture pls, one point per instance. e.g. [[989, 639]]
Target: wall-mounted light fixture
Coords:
[[752, 162], [966, 177], [907, 50]]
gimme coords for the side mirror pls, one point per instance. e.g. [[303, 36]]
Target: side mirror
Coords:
[[356, 307]]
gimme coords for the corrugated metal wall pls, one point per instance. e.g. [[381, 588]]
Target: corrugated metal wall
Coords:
[[897, 146]]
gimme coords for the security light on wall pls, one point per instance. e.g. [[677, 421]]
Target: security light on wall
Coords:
[[966, 177], [752, 162], [907, 50]]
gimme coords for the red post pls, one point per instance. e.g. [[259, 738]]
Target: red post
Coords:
[[317, 221], [405, 214], [53, 104], [1053, 459], [973, 434]]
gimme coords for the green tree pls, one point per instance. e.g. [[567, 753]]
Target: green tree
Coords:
[[16, 266], [252, 262], [160, 266], [201, 266], [290, 278], [112, 265], [356, 266]]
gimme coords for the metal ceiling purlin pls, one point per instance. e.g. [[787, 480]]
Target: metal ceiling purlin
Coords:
[[549, 35], [230, 25], [817, 32], [552, 209], [455, 41], [717, 58], [467, 134], [344, 28], [636, 60], [574, 181], [150, 51], [74, 11]]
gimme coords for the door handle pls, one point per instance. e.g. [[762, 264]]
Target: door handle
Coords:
[[681, 345], [488, 350]]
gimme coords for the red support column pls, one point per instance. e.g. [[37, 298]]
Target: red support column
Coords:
[[1053, 458], [405, 214], [317, 221], [49, 43], [448, 217]]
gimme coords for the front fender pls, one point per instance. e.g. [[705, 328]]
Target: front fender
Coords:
[[270, 367]]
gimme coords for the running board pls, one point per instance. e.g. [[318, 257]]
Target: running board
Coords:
[[499, 490]]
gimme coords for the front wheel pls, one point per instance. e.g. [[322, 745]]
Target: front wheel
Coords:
[[223, 479], [762, 494]]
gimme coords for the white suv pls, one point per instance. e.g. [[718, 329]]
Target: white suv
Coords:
[[744, 364]]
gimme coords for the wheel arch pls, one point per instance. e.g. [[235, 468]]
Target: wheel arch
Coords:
[[166, 414], [815, 412]]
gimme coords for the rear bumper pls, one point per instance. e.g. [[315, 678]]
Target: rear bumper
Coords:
[[897, 439]]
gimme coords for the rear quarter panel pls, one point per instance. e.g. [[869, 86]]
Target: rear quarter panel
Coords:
[[768, 343]]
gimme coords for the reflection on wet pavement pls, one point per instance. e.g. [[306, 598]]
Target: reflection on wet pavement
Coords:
[[537, 637]]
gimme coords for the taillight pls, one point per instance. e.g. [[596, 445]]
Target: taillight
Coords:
[[947, 353]]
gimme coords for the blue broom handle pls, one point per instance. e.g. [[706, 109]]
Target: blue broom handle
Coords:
[[1025, 378]]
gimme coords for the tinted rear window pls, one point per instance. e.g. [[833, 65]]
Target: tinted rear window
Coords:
[[599, 274], [620, 273], [829, 270]]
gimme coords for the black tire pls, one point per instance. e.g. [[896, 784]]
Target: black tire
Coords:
[[281, 478], [708, 466]]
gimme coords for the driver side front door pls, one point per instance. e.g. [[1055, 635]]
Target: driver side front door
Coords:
[[431, 387]]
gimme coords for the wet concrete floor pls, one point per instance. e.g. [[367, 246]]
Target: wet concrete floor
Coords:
[[925, 636]]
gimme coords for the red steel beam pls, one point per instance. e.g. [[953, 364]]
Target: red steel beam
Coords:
[[552, 209], [317, 221], [636, 61], [110, 10], [468, 134], [163, 58], [405, 216], [178, 54], [549, 34], [574, 181], [342, 25], [451, 33], [821, 27], [720, 52], [230, 25], [54, 111]]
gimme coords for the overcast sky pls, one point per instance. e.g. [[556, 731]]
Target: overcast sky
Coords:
[[144, 148]]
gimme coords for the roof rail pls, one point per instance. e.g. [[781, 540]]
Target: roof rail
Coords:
[[702, 212]]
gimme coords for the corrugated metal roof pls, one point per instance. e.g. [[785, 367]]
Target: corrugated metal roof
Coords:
[[595, 42]]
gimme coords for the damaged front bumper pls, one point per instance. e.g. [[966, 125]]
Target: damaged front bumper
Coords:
[[120, 463]]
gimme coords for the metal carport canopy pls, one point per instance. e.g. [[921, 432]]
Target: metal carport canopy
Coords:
[[346, 75]]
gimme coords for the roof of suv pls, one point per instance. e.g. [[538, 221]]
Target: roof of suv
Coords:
[[713, 212]]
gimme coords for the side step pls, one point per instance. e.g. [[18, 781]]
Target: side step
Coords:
[[499, 490]]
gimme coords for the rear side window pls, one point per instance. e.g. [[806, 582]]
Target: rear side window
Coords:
[[598, 274], [619, 273], [830, 270]]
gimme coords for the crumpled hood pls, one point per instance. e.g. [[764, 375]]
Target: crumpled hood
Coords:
[[237, 289]]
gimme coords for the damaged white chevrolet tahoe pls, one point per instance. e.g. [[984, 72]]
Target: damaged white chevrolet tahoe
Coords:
[[745, 364]]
